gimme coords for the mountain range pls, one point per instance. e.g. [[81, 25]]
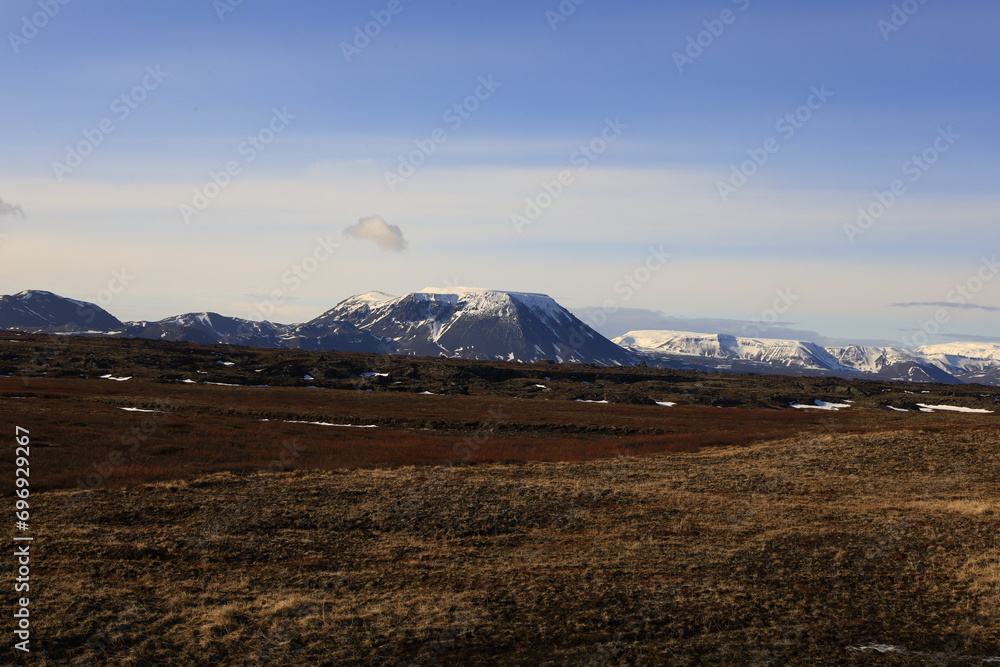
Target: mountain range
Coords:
[[523, 327], [952, 363]]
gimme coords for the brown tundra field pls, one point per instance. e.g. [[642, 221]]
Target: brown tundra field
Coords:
[[230, 505]]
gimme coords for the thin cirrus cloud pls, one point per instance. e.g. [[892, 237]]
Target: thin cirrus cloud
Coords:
[[971, 338], [944, 304], [378, 231]]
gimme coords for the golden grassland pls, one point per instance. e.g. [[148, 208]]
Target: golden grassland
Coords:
[[794, 551]]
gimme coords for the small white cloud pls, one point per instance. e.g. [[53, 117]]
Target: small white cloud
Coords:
[[377, 230], [11, 209]]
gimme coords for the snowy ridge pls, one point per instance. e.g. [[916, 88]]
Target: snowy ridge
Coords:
[[486, 301], [775, 355], [969, 360], [870, 359], [985, 351], [724, 346]]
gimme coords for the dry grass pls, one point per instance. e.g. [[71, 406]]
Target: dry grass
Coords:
[[83, 439], [784, 552]]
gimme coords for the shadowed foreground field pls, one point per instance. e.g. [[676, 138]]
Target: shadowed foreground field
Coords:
[[796, 551]]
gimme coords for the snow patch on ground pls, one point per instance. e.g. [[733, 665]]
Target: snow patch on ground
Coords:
[[936, 655], [580, 400], [111, 377], [138, 410], [666, 404], [821, 405], [952, 408], [292, 421]]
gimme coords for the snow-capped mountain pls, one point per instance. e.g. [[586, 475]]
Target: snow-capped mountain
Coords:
[[37, 310], [474, 323], [764, 355], [214, 329], [969, 362], [891, 363], [772, 352], [209, 328]]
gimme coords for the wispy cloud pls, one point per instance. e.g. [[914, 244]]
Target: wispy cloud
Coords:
[[624, 320], [944, 304], [11, 209], [970, 338], [377, 230], [264, 296]]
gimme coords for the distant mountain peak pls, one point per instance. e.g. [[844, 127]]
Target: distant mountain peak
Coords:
[[39, 310], [477, 323]]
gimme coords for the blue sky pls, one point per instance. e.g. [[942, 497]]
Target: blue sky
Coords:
[[892, 93]]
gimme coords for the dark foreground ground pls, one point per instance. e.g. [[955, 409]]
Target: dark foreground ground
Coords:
[[492, 521], [801, 551]]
